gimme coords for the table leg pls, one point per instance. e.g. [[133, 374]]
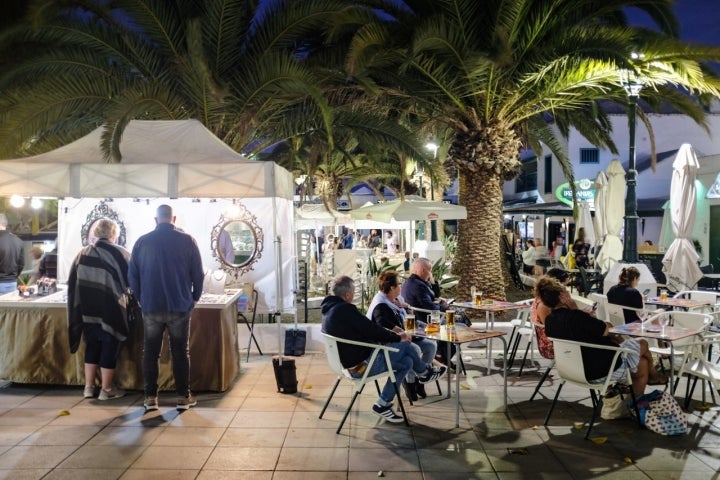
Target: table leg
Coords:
[[489, 325], [504, 372], [449, 375], [457, 389], [672, 368]]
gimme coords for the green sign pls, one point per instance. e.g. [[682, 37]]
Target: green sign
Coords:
[[585, 191]]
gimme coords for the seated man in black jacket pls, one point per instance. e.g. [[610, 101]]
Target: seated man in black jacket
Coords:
[[342, 319]]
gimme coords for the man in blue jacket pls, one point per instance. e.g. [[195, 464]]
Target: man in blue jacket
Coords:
[[166, 275]]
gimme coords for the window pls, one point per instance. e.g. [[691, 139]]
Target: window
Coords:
[[548, 174], [589, 155], [527, 180]]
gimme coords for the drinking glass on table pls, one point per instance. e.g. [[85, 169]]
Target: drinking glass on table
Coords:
[[450, 318], [663, 320], [410, 323]]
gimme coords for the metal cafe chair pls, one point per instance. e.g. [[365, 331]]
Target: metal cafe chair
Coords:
[[333, 357], [571, 369]]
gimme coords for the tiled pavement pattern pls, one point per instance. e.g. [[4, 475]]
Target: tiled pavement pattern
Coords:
[[252, 432]]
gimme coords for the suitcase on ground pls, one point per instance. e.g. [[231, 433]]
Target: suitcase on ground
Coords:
[[285, 374]]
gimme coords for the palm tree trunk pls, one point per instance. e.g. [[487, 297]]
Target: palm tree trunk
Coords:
[[477, 261]]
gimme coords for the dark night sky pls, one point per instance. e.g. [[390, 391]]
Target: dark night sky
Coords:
[[699, 20]]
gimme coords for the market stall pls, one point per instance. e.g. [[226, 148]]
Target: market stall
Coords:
[[215, 193], [34, 345]]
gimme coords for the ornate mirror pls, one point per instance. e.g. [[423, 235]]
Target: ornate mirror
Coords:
[[237, 241], [101, 210]]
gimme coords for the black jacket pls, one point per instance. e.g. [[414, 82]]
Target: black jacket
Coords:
[[12, 257], [342, 319], [418, 293]]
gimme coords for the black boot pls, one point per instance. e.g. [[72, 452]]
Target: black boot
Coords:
[[411, 390], [420, 389]]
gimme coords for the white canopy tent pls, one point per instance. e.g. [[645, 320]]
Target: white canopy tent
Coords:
[[165, 162]]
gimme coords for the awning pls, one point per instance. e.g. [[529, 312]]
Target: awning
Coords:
[[647, 207]]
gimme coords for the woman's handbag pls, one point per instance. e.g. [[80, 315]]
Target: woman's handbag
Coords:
[[613, 405], [661, 413], [134, 312]]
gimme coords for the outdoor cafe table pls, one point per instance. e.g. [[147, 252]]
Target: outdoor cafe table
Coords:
[[668, 334], [490, 307], [672, 302], [459, 335]]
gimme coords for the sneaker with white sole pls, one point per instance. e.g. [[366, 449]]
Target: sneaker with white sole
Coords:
[[114, 392], [387, 413], [432, 374], [89, 391], [151, 403], [184, 403]]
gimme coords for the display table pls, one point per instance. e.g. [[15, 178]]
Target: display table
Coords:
[[34, 345]]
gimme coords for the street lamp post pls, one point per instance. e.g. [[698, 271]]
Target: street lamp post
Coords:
[[433, 223], [421, 224], [632, 85]]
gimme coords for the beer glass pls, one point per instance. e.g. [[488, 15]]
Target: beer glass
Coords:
[[410, 323], [450, 318]]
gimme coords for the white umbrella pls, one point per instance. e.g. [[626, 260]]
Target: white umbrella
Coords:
[[599, 222], [314, 215], [612, 249], [585, 221], [412, 207], [680, 263], [667, 236]]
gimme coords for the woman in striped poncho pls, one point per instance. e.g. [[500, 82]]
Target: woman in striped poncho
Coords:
[[97, 307]]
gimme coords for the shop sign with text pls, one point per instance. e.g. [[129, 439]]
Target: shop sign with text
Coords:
[[585, 191]]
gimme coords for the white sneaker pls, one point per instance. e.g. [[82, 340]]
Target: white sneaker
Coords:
[[89, 391], [114, 392]]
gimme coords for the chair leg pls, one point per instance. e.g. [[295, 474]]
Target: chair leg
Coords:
[[513, 351], [542, 380], [377, 387], [437, 382], [461, 364], [327, 402], [400, 402], [522, 365], [597, 404], [689, 391], [347, 412], [552, 407]]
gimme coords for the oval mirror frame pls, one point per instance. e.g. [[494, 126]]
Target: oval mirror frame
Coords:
[[102, 210], [241, 231]]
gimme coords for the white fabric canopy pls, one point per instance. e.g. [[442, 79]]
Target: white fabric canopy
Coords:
[[167, 162], [599, 221], [412, 207], [612, 249], [680, 263], [179, 158]]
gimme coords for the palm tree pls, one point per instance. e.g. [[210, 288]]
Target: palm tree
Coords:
[[235, 65], [501, 76]]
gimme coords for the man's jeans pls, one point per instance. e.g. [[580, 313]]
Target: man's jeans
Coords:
[[402, 361], [178, 326], [7, 287]]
